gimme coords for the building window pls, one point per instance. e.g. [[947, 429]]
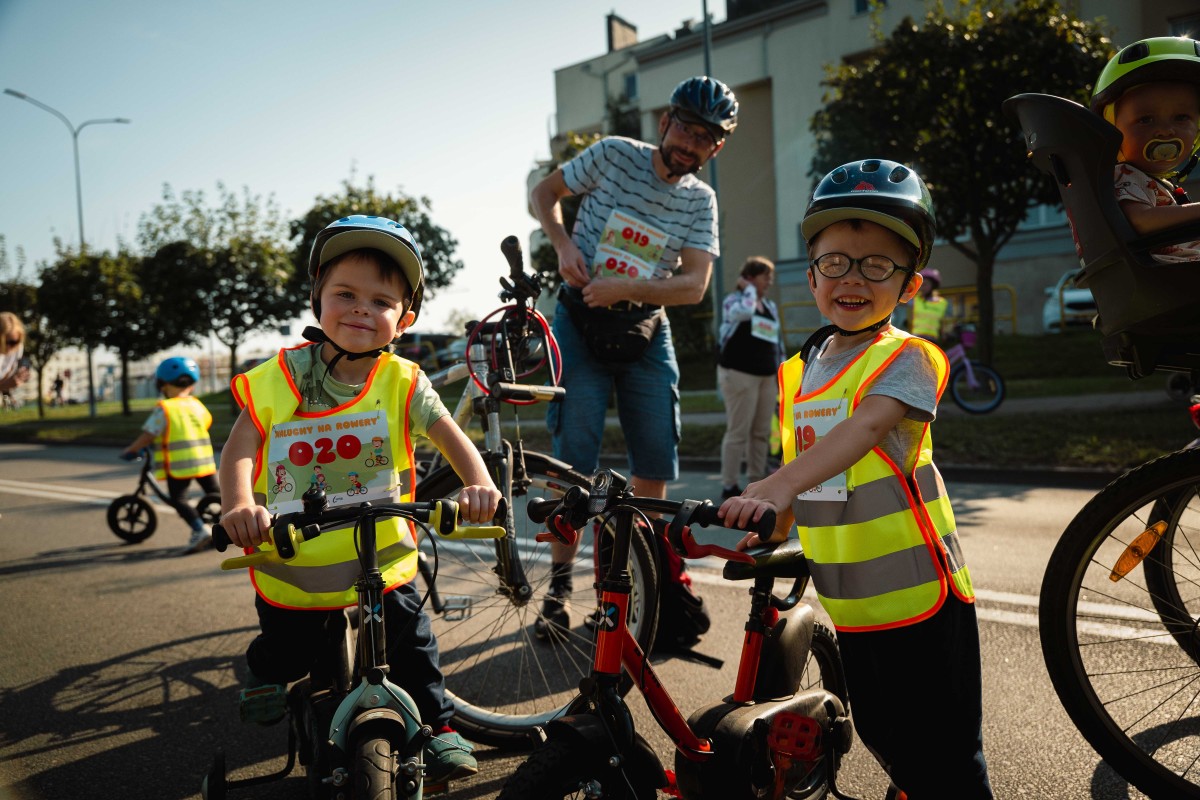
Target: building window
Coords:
[[863, 6], [1044, 216], [631, 86]]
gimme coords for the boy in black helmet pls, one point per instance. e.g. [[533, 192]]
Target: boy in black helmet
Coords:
[[1150, 91], [870, 506]]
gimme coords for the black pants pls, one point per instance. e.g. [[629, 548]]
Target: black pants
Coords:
[[292, 641], [177, 491], [916, 699]]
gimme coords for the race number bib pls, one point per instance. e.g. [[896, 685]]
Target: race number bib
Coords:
[[814, 419], [628, 248], [764, 328], [346, 455]]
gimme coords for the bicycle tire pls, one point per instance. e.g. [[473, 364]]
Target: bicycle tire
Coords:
[[567, 768], [824, 667], [1115, 662], [208, 508], [982, 400], [376, 765], [132, 518], [502, 680]]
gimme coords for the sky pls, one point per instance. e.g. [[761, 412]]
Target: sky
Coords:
[[450, 100]]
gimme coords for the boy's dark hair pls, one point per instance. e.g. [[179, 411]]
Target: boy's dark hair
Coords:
[[183, 381], [386, 266]]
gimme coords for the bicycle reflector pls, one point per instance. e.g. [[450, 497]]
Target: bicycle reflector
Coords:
[[1137, 550]]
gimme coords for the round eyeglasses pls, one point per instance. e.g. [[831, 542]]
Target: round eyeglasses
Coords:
[[873, 268]]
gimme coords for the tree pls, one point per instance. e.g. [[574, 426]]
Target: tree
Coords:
[[437, 245], [930, 95], [223, 268]]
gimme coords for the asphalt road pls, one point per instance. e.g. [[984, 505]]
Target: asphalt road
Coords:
[[120, 664]]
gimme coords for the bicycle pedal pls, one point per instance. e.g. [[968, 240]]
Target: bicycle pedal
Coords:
[[264, 705], [436, 789]]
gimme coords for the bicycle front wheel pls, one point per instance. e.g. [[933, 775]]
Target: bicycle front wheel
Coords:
[[503, 680], [1119, 609], [981, 396]]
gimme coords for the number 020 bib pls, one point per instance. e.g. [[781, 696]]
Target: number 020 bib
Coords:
[[814, 419], [341, 454]]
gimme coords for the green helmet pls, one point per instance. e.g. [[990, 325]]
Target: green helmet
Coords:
[[1163, 58]]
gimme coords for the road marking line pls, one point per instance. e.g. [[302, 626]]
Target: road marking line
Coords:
[[17, 487]]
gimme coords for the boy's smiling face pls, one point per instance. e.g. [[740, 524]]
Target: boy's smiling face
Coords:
[[852, 302], [361, 309], [1158, 122]]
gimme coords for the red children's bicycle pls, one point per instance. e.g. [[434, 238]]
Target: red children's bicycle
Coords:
[[781, 733]]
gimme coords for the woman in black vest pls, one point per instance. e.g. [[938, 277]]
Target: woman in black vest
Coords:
[[750, 355]]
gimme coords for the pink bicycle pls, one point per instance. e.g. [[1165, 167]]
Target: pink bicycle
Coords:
[[976, 387]]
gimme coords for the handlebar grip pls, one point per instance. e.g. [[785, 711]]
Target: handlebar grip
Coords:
[[540, 510], [220, 538], [511, 247], [706, 515]]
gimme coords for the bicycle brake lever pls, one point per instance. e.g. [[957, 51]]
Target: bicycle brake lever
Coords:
[[560, 531], [692, 549]]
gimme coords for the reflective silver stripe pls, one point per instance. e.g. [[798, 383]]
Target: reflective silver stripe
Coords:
[[867, 501], [331, 577], [890, 573], [179, 466], [184, 444]]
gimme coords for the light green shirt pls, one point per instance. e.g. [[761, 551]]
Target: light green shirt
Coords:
[[319, 391]]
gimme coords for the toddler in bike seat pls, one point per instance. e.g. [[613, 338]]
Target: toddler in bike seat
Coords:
[[178, 429], [858, 478], [1150, 91], [316, 409]]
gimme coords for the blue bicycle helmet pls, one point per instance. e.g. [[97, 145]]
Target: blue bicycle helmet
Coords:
[[363, 231], [707, 101], [178, 370]]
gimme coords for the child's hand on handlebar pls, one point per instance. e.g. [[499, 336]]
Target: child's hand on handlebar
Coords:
[[247, 526], [478, 503], [768, 494]]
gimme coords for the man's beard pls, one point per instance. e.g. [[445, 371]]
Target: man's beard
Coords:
[[668, 156]]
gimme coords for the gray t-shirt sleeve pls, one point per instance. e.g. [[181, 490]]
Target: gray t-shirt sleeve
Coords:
[[912, 379]]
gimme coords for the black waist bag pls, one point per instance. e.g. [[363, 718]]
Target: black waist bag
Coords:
[[615, 336]]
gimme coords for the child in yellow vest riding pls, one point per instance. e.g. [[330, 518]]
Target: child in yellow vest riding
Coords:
[[869, 505], [178, 427], [315, 409]]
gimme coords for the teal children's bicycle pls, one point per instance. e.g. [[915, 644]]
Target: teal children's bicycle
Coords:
[[356, 733]]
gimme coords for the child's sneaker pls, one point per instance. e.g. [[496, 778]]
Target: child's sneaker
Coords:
[[201, 540], [263, 705], [554, 622], [448, 756]]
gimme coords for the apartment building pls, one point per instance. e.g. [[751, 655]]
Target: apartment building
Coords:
[[773, 55]]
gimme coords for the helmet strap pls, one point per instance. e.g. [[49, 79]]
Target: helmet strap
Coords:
[[869, 329], [314, 334]]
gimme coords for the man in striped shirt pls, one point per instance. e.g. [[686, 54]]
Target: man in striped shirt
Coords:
[[645, 237]]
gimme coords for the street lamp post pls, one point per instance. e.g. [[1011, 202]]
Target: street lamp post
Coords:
[[78, 202]]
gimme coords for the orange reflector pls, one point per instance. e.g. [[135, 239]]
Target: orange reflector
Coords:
[[1138, 549]]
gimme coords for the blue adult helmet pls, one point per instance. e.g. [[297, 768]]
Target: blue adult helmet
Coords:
[[365, 231], [708, 101], [176, 368]]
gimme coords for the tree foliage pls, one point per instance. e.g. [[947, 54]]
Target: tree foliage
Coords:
[[437, 245], [222, 267], [929, 96]]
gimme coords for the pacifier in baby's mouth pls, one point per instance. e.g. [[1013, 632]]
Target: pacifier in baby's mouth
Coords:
[[1163, 150]]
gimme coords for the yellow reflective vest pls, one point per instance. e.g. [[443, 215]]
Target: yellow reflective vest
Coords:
[[887, 555], [184, 449], [322, 574], [927, 316]]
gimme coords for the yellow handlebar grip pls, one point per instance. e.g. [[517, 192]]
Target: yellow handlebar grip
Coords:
[[476, 532]]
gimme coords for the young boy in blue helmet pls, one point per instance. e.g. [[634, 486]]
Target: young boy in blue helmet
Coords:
[[178, 427], [859, 481], [1150, 91], [347, 389]]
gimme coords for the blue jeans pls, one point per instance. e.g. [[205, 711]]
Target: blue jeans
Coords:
[[292, 640], [647, 404]]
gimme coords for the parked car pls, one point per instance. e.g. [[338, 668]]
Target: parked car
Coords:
[[1075, 309], [452, 353]]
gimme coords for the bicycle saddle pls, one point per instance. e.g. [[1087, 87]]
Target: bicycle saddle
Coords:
[[785, 560]]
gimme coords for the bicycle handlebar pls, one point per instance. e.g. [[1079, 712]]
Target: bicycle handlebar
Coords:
[[289, 531], [511, 247], [572, 511]]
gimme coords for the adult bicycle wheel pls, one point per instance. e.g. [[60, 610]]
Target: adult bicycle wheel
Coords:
[[503, 680], [1119, 608], [981, 396], [132, 518], [209, 508]]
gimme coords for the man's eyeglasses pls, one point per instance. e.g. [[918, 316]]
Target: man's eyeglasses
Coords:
[[699, 135], [873, 268]]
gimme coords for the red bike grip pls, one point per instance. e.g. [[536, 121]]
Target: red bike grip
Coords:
[[511, 247]]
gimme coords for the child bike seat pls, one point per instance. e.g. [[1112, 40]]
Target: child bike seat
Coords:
[[1149, 311], [785, 560]]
